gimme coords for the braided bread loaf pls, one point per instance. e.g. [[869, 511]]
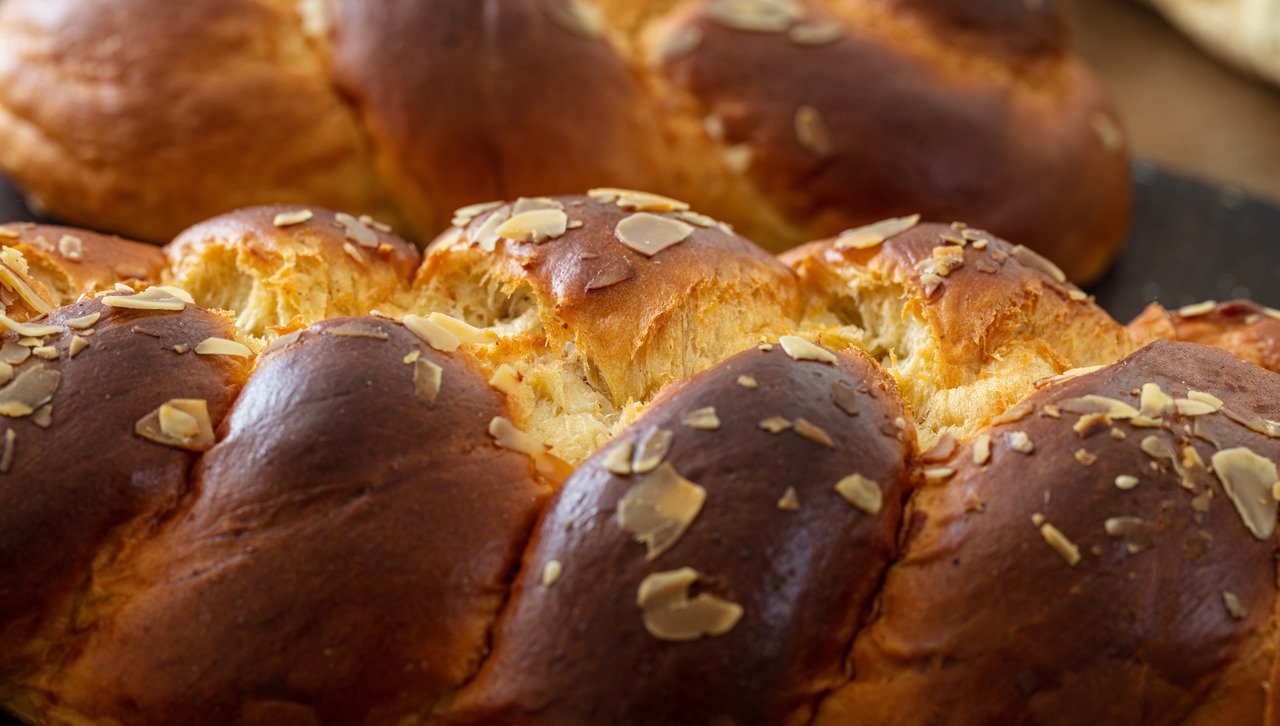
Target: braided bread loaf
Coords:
[[598, 459], [791, 119]]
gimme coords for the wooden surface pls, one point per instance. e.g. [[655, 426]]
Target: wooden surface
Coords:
[[1183, 110]]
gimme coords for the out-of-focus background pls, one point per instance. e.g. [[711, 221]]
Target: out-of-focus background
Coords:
[[1184, 110]]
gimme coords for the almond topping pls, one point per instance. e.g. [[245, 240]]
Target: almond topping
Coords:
[[1060, 544], [670, 614], [222, 346], [551, 572], [1200, 308], [747, 382], [29, 329], [872, 235], [537, 226], [432, 333], [1126, 482], [618, 460], [651, 449], [861, 492], [790, 501], [658, 509], [288, 219], [426, 381], [982, 449], [31, 389], [634, 201], [812, 432], [182, 423], [1235, 608], [1138, 534], [1017, 413], [1112, 408], [755, 16], [812, 133], [160, 297], [801, 349], [1019, 442], [650, 234], [614, 271], [71, 247], [1154, 402], [775, 424], [1031, 258], [1249, 480], [702, 418], [84, 321]]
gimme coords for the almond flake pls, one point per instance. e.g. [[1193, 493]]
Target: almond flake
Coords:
[[659, 507], [747, 382], [1017, 413], [463, 216], [1200, 308], [1019, 442], [1031, 258], [618, 460], [790, 501], [801, 349], [845, 398], [1060, 544], [670, 614], [817, 32], [357, 231], [182, 423], [426, 381], [432, 333], [1137, 533], [1235, 608], [634, 201], [775, 424], [938, 473], [358, 329], [288, 219], [1191, 407], [1126, 482], [861, 492], [614, 271], [551, 572], [703, 418], [982, 449], [71, 247], [153, 298], [84, 321], [1154, 402], [812, 432], [1110, 407], [537, 226], [650, 234], [222, 346], [651, 449], [29, 329], [78, 344], [1249, 481], [872, 235], [755, 16], [31, 389]]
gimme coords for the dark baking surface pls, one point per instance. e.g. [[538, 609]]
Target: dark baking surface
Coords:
[[1190, 241]]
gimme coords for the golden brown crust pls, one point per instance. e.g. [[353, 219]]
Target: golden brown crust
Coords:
[[681, 298], [270, 267], [144, 117], [77, 490], [346, 551], [935, 127], [1122, 635], [577, 651], [967, 110], [531, 118], [70, 261], [1249, 331]]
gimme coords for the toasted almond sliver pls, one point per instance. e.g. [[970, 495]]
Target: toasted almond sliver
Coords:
[[659, 507], [297, 216], [873, 235], [670, 614], [861, 492], [801, 349], [650, 234], [182, 423], [432, 333], [222, 346]]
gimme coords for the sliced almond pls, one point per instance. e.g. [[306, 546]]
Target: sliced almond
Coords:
[[659, 507], [288, 219], [651, 449], [432, 333], [614, 271], [802, 349], [222, 346], [861, 492], [634, 201], [650, 234], [1033, 259], [790, 501], [811, 431], [670, 614], [1249, 481], [426, 380], [153, 298], [1060, 544], [704, 418], [84, 321], [618, 460], [537, 226], [31, 389], [873, 235], [812, 133], [182, 423]]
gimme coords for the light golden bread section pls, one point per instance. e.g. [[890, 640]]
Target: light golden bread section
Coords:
[[282, 265], [965, 322]]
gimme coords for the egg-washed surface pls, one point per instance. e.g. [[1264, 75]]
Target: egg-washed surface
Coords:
[[792, 119], [600, 459]]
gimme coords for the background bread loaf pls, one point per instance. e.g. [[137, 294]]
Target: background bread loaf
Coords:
[[790, 119], [599, 459]]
